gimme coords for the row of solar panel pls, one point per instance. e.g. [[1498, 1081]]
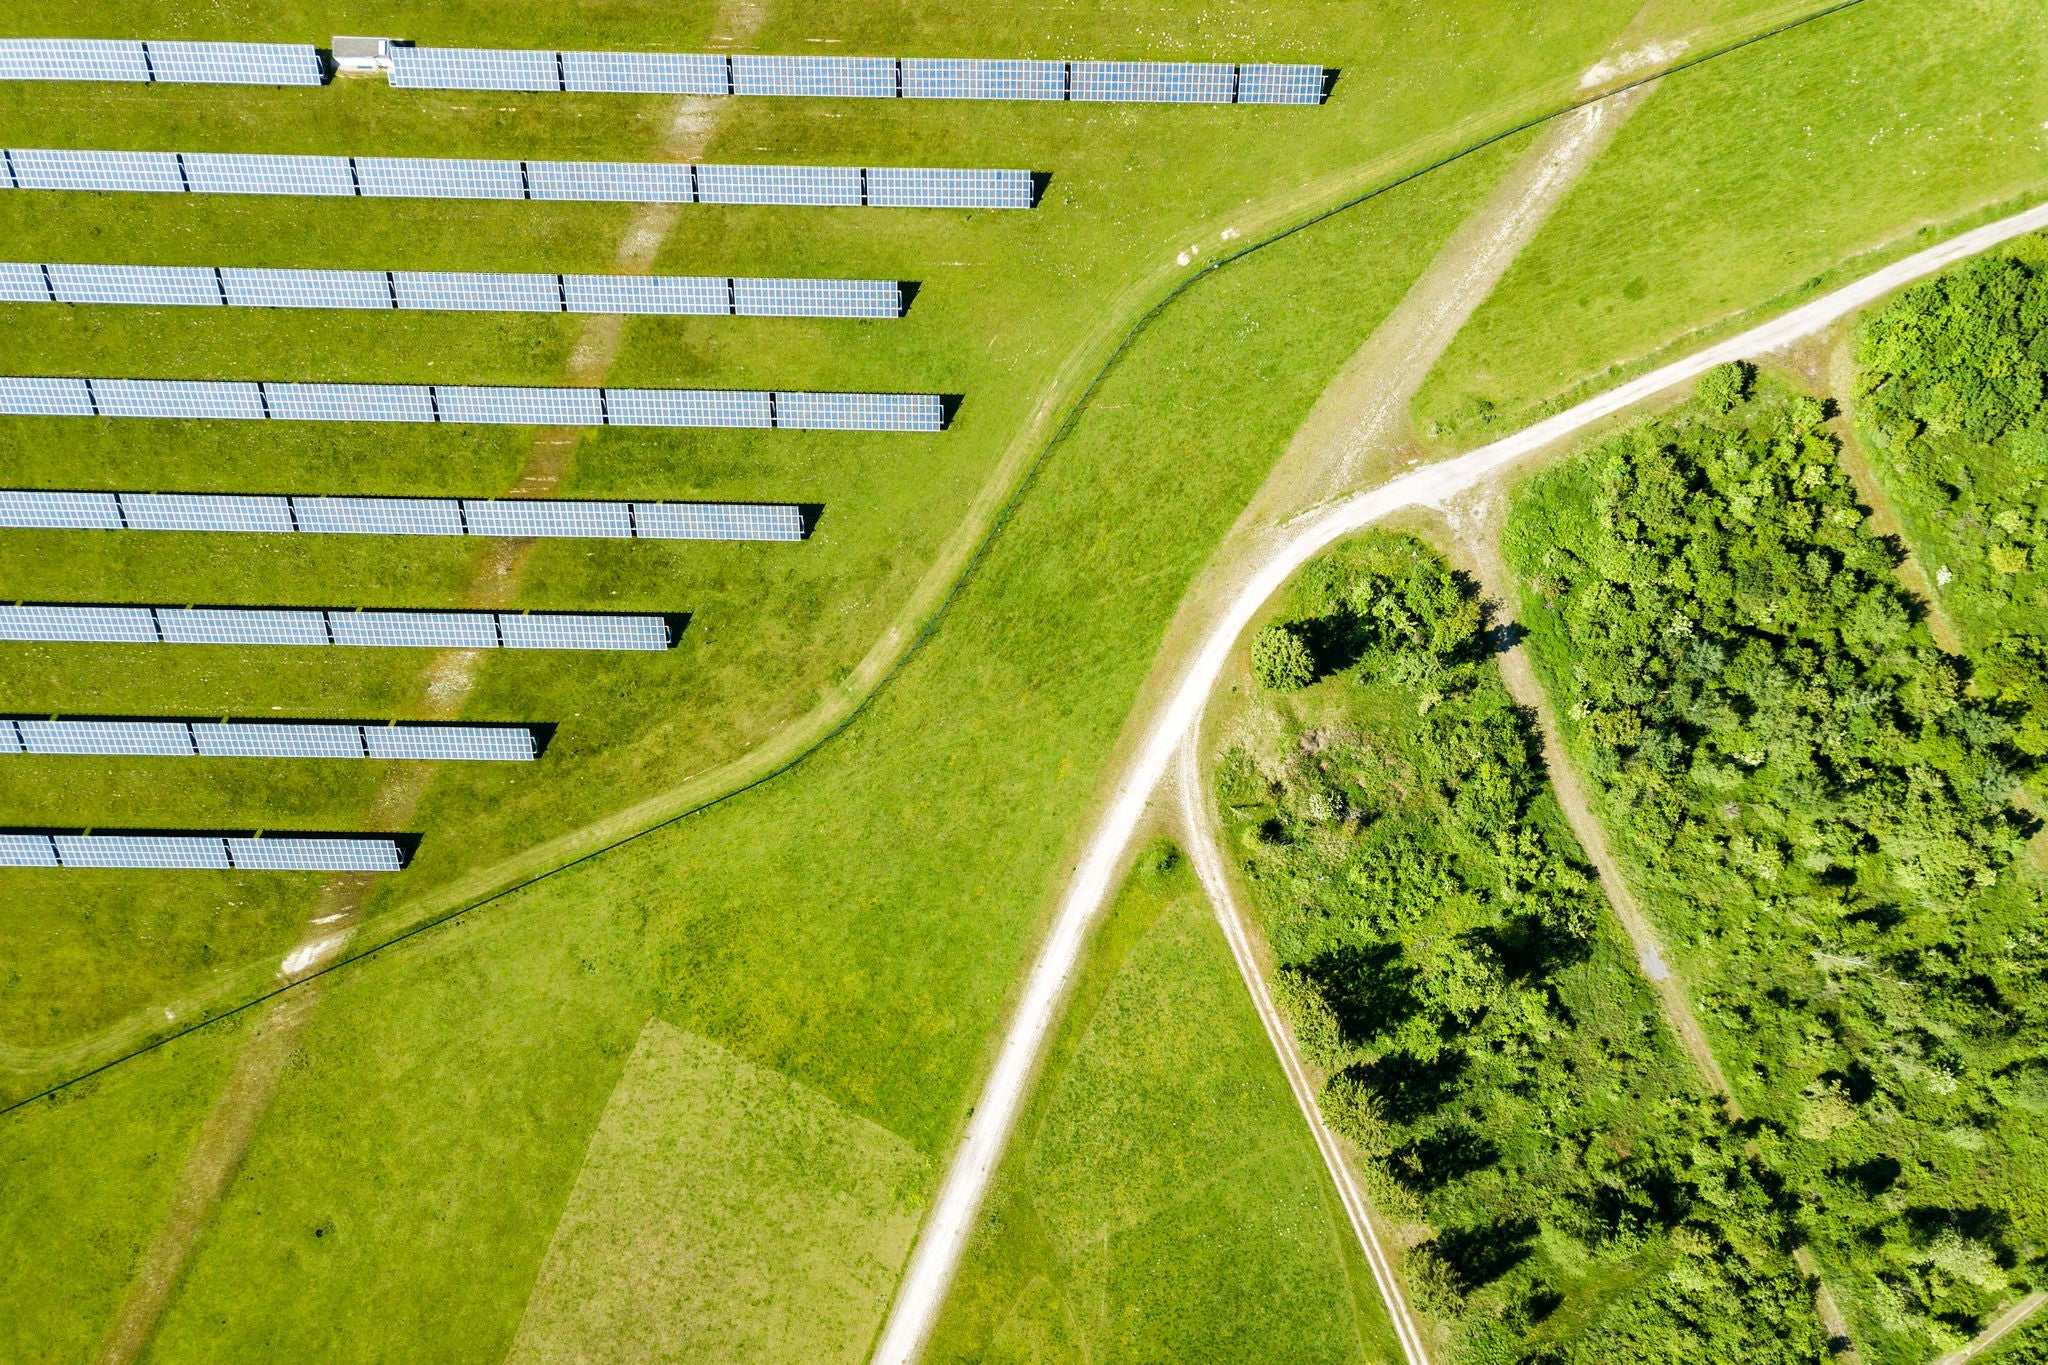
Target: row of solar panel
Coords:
[[242, 400], [52, 510], [631, 182], [257, 853], [230, 286], [89, 59], [267, 739], [450, 68], [293, 626]]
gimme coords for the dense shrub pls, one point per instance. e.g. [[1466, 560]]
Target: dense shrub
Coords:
[[1280, 661]]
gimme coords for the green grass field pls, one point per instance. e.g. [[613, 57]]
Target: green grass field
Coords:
[[1123, 1227]]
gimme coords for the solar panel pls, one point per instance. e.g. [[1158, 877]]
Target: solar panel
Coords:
[[1153, 82], [27, 850], [954, 79], [922, 188], [854, 77], [470, 68], [22, 508], [81, 625], [817, 298], [350, 402], [235, 64], [287, 853], [415, 629], [71, 59], [646, 73], [678, 294], [507, 517], [571, 631], [306, 288], [24, 282], [172, 285], [628, 182], [141, 850], [478, 293], [860, 412], [240, 626], [794, 185], [244, 173], [521, 407], [384, 177], [203, 512], [40, 397], [687, 408], [379, 516], [10, 738], [250, 739], [146, 172], [177, 398], [1265, 83], [152, 738], [717, 521], [474, 743]]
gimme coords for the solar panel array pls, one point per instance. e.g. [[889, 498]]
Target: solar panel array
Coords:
[[1153, 82], [267, 739], [34, 396], [297, 626], [630, 182], [208, 852], [72, 59]]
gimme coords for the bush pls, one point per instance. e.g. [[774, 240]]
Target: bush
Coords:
[[1281, 661]]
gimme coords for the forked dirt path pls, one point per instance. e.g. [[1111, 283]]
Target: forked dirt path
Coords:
[[445, 686]]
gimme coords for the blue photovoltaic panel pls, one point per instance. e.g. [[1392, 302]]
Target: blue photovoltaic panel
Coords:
[[855, 77], [521, 407], [10, 738], [140, 850], [287, 853], [23, 508], [71, 59], [860, 411], [203, 512], [379, 516], [248, 173], [478, 293], [306, 288], [154, 738], [82, 625], [717, 521], [472, 68], [645, 73], [817, 298], [801, 185], [509, 517], [892, 187], [1153, 82], [424, 178], [628, 182], [240, 626], [27, 850], [1273, 84], [177, 285], [571, 631], [177, 398], [148, 172], [24, 282], [687, 408], [474, 743], [684, 294], [415, 629], [250, 739], [234, 64], [349, 402], [45, 397], [956, 79]]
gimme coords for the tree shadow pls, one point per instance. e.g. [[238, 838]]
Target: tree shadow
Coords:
[[1436, 1159], [1483, 1254]]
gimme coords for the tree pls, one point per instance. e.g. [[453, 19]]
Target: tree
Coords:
[[1281, 661]]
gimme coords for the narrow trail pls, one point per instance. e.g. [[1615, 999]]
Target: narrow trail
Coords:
[[1163, 722], [1996, 1331]]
